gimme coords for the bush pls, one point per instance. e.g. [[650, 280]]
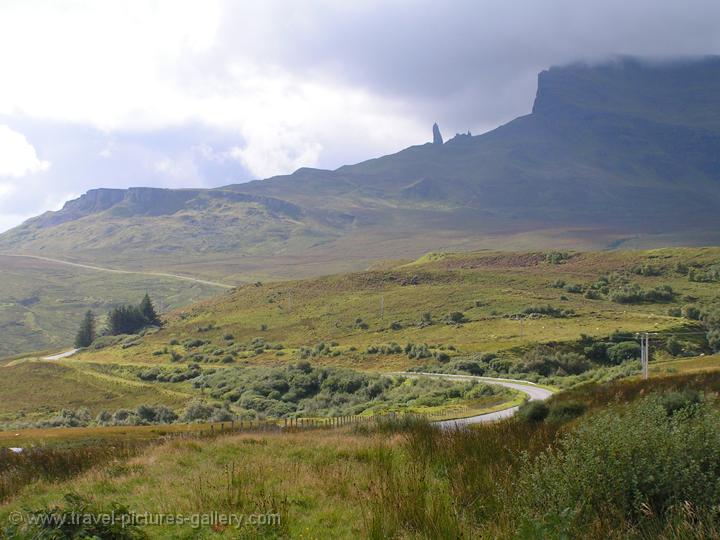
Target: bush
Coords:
[[546, 362], [468, 366], [634, 294], [533, 412], [157, 414], [673, 402], [557, 257], [575, 289], [630, 465], [674, 346], [198, 411], [455, 317], [691, 312], [548, 310], [622, 352], [565, 411], [647, 270], [59, 522]]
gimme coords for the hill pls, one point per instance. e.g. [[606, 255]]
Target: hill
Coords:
[[41, 301], [554, 318], [612, 155]]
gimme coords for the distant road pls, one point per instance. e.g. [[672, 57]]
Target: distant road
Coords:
[[116, 271], [533, 391], [61, 355]]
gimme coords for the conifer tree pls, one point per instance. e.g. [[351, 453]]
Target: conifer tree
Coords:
[[148, 310], [86, 334]]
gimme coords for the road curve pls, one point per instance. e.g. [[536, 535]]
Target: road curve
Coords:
[[117, 271], [533, 391]]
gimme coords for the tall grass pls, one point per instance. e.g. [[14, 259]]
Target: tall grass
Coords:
[[650, 469], [54, 464]]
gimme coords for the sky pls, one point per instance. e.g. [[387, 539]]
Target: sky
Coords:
[[204, 93]]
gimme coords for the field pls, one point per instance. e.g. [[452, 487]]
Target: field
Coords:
[[41, 302], [406, 480]]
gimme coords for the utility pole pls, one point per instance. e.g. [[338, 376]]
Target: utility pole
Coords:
[[645, 354], [382, 306]]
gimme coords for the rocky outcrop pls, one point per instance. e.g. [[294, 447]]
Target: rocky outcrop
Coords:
[[437, 136]]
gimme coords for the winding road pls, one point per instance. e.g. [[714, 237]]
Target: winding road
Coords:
[[117, 271], [533, 391]]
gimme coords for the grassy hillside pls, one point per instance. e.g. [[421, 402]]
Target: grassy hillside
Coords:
[[318, 347], [42, 303], [521, 478], [411, 303]]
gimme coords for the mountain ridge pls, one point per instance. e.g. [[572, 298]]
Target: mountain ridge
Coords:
[[625, 148]]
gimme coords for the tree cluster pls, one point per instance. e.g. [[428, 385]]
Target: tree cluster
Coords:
[[126, 319]]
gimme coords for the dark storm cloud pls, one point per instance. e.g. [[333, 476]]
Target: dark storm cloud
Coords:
[[470, 63]]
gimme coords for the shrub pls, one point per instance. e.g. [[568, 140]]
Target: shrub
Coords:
[[62, 522], [565, 411], [549, 311], [622, 352], [198, 411], [629, 465], [634, 294], [674, 346], [455, 317], [576, 288], [691, 312], [592, 294], [557, 257], [647, 270], [533, 412], [468, 366], [360, 324], [673, 402]]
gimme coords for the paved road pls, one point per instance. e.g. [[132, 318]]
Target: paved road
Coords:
[[534, 392], [116, 271], [61, 355]]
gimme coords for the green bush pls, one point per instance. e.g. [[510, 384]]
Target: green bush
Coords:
[[533, 411], [630, 466], [622, 352], [548, 310], [557, 257], [455, 317], [673, 402], [61, 522], [691, 312], [565, 411]]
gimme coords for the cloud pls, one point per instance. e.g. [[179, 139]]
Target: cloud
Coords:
[[17, 157]]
